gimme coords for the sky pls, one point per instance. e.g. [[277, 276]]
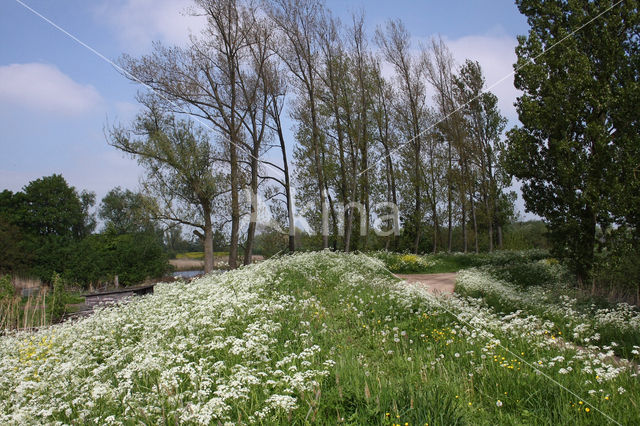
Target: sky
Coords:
[[58, 95]]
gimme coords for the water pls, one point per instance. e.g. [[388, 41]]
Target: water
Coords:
[[187, 274], [193, 273]]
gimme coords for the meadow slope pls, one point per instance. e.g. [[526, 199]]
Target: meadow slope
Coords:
[[311, 338]]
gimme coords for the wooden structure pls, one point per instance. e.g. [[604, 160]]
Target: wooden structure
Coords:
[[116, 295]]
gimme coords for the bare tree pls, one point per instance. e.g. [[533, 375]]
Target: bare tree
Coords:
[[410, 108], [276, 88], [205, 80], [438, 65], [484, 128], [385, 135], [298, 22]]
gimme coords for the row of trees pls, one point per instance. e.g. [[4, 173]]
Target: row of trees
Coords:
[[373, 149], [391, 135], [48, 228], [388, 135]]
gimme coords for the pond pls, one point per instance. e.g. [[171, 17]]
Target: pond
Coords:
[[188, 274], [194, 272]]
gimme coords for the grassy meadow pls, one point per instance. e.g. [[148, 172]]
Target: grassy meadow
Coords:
[[325, 338]]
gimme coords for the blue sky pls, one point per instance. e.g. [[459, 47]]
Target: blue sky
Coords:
[[57, 96]]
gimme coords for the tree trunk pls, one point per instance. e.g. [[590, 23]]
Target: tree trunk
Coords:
[[449, 200], [251, 232], [418, 212], [436, 227], [347, 228], [208, 240], [418, 222], [490, 235], [318, 160], [235, 208], [287, 180], [334, 218], [473, 218], [464, 225]]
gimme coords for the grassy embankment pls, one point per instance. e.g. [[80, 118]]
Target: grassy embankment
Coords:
[[316, 337], [529, 282]]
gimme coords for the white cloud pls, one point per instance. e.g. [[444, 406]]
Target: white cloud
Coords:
[[139, 22], [495, 51], [44, 87], [496, 55]]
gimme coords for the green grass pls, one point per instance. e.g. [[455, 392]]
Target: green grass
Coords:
[[404, 263], [543, 289], [377, 353], [199, 255]]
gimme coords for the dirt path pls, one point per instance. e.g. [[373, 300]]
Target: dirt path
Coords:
[[435, 283]]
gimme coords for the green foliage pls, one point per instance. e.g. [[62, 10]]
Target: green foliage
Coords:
[[40, 225], [46, 231], [268, 243], [49, 206], [126, 212], [58, 300], [617, 269], [6, 288], [453, 262], [14, 256], [179, 160], [526, 235], [577, 124], [403, 263], [175, 242], [133, 257], [524, 274]]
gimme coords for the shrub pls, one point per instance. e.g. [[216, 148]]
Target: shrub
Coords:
[[57, 305], [524, 274], [6, 288], [404, 263]]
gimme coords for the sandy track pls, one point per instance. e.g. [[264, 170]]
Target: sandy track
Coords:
[[435, 283]]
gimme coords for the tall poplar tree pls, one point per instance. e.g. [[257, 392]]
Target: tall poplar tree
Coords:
[[578, 71]]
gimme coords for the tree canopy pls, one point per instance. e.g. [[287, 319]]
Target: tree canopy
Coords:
[[577, 148]]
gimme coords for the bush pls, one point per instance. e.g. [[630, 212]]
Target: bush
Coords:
[[453, 262], [57, 303], [616, 273], [133, 257], [6, 288], [404, 263], [524, 274]]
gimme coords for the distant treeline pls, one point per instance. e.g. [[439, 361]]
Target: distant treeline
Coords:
[[47, 228]]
